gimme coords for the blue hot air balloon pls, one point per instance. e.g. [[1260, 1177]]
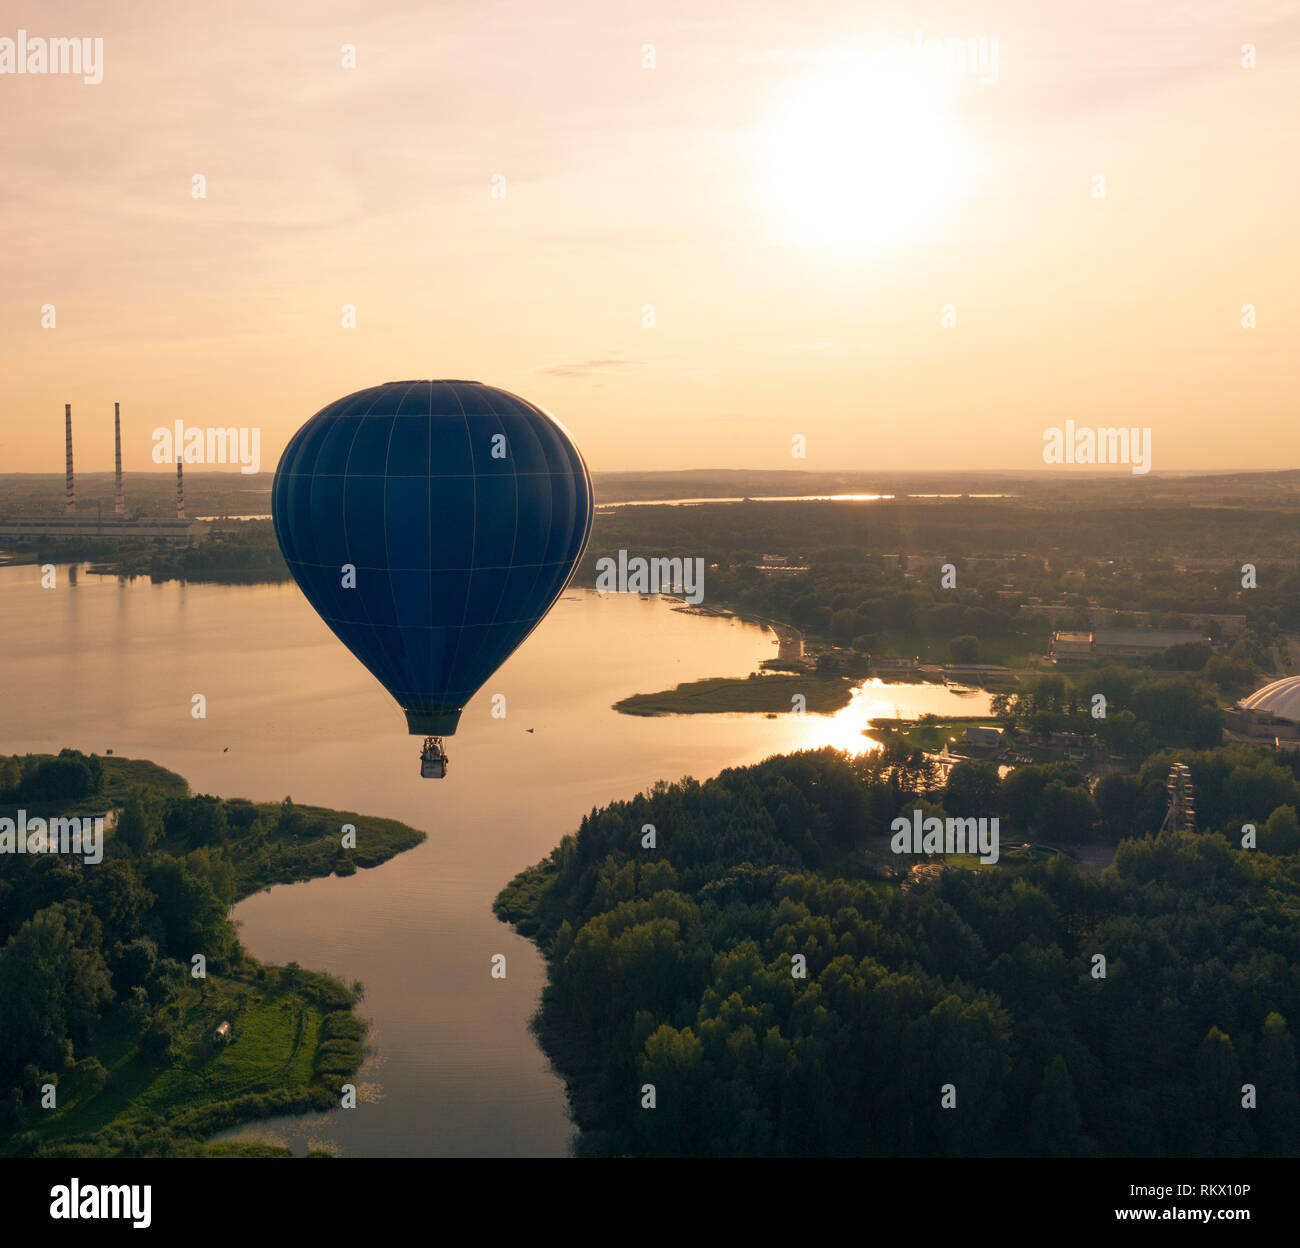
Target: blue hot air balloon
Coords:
[[432, 524]]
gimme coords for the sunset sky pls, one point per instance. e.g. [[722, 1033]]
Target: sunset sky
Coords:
[[797, 210]]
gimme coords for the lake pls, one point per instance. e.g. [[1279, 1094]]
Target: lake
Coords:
[[99, 663]]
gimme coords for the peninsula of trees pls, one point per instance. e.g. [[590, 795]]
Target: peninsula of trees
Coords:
[[742, 967], [110, 1043]]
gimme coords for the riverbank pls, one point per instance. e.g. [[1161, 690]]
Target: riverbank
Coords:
[[97, 664], [179, 1031]]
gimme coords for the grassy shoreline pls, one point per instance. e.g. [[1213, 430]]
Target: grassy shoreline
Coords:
[[755, 694], [295, 1038]]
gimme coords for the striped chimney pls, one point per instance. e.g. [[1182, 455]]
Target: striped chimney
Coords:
[[180, 491], [118, 506], [69, 493]]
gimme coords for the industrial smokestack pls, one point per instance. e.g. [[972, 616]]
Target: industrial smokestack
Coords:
[[69, 493], [180, 491], [118, 506]]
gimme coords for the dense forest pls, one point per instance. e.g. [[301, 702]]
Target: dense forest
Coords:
[[675, 925], [105, 1044]]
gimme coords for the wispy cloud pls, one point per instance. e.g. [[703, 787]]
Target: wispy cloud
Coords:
[[586, 368]]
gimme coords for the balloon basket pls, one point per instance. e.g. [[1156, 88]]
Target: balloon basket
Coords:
[[433, 759]]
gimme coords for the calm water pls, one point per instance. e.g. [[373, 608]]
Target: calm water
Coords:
[[756, 498], [101, 664]]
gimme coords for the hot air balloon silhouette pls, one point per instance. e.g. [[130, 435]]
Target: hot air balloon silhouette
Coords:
[[432, 524]]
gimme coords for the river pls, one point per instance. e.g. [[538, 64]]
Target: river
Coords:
[[98, 663]]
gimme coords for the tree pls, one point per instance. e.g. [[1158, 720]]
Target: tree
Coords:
[[1218, 1076], [673, 1064], [60, 779], [1117, 797], [192, 915], [290, 821], [1180, 711], [157, 1045], [973, 790], [91, 1077], [972, 1040], [1122, 733], [207, 822], [135, 966], [1232, 676], [912, 770], [1279, 1103], [241, 814], [1054, 1123], [53, 982], [119, 900], [843, 625], [11, 776], [1066, 813], [1021, 790], [1259, 785], [965, 649], [1281, 832], [131, 829]]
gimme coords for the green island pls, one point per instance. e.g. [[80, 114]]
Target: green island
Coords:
[[770, 694], [109, 1045], [744, 967]]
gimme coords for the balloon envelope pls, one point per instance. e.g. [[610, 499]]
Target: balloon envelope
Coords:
[[463, 510]]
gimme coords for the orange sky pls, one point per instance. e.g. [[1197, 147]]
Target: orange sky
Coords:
[[688, 186]]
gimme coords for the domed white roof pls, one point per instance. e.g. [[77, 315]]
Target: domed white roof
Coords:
[[1281, 698]]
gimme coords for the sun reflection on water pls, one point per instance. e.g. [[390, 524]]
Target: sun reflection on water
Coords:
[[874, 699]]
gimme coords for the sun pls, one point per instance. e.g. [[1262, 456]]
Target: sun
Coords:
[[863, 156]]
